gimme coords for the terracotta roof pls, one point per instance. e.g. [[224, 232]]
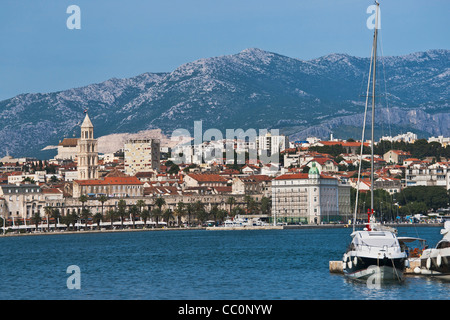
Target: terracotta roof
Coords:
[[208, 177], [116, 173], [110, 181], [401, 152], [69, 142], [227, 189]]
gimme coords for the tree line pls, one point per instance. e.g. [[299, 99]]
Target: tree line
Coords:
[[409, 201], [194, 213]]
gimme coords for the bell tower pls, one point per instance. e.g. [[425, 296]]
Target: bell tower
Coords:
[[87, 152]]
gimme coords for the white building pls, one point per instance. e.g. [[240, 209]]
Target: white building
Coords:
[[141, 155], [271, 143], [443, 141], [408, 137], [310, 198], [419, 174]]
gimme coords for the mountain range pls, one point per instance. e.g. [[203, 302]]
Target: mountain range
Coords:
[[251, 89]]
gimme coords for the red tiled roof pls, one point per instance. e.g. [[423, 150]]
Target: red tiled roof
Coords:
[[110, 181], [208, 177]]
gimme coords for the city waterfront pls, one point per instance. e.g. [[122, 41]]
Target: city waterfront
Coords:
[[197, 265]]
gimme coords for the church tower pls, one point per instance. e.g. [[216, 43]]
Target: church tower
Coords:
[[87, 152]]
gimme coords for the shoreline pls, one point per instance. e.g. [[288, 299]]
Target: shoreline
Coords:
[[285, 227]]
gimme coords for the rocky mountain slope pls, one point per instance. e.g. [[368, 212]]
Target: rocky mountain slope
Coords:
[[252, 89]]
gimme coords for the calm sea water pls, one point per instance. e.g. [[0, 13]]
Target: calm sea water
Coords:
[[197, 265]]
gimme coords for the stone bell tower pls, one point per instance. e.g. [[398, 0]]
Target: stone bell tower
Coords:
[[87, 152]]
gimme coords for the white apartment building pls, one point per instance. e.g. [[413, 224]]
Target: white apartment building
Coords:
[[271, 143], [141, 155], [419, 174]]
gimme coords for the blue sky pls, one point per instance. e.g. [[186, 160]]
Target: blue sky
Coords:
[[119, 38]]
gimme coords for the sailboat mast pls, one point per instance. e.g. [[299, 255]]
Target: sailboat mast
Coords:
[[375, 34]]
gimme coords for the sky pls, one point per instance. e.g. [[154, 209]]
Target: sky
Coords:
[[40, 51]]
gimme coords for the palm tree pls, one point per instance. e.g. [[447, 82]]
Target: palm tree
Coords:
[[231, 201], [189, 210], [134, 211], [214, 212], [97, 218], [48, 212], [67, 220], [111, 215], [74, 217], [36, 219], [85, 214], [55, 214], [140, 204], [159, 202], [122, 210], [83, 198], [156, 213], [199, 210], [145, 214], [167, 215], [222, 214], [180, 211], [102, 200]]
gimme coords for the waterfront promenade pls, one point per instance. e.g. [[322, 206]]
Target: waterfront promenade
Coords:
[[218, 228]]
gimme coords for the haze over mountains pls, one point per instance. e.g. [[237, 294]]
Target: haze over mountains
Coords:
[[252, 89]]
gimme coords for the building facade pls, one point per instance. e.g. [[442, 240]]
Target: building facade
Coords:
[[437, 174], [310, 198], [141, 155]]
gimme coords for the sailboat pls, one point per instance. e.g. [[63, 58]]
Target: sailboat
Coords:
[[375, 250]]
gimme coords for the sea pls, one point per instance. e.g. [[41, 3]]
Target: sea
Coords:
[[196, 265]]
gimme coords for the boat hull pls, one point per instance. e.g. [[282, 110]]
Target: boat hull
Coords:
[[436, 263], [366, 267]]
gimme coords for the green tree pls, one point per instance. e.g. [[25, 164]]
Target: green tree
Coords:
[[189, 211], [55, 214], [145, 215], [111, 214], [83, 199], [266, 205], [180, 212], [156, 213], [97, 218], [85, 215], [67, 220], [160, 202], [167, 215], [122, 210], [231, 201], [102, 200], [36, 219], [134, 211]]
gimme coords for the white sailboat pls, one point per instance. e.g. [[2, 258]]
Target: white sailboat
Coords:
[[376, 249]]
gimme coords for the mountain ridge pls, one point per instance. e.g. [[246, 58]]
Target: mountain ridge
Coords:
[[251, 89]]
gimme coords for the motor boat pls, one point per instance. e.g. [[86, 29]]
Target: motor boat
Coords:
[[374, 252], [435, 261]]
